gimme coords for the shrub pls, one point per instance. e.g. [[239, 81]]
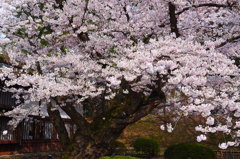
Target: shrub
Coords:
[[146, 145], [118, 157], [191, 151], [117, 148]]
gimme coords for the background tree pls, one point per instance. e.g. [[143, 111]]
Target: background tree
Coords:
[[120, 60]]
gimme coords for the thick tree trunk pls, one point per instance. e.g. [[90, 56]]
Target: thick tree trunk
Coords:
[[90, 147], [86, 150], [94, 136]]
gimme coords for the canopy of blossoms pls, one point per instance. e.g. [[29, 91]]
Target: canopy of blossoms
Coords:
[[83, 49]]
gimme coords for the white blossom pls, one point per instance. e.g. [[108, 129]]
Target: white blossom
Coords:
[[210, 120], [162, 127], [5, 132], [223, 146], [201, 138]]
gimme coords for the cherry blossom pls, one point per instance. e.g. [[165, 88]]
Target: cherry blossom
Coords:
[[128, 54]]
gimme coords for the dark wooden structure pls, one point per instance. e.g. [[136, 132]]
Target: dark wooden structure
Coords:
[[35, 134]]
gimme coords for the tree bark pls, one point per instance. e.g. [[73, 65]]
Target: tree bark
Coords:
[[93, 138], [89, 147], [173, 19], [58, 124]]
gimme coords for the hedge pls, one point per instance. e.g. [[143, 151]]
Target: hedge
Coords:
[[146, 145], [191, 151]]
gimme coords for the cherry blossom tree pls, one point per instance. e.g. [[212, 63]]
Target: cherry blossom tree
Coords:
[[121, 60]]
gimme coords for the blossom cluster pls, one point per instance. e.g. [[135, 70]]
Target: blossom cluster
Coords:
[[83, 49]]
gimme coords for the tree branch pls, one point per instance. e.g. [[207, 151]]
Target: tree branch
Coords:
[[156, 98], [127, 109], [60, 3], [126, 13], [59, 125], [173, 19], [145, 110], [228, 41], [70, 110], [85, 11], [205, 5], [83, 36]]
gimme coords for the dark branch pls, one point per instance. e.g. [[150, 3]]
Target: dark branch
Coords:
[[173, 19], [144, 110], [231, 40], [127, 109], [126, 13], [60, 3], [39, 67], [75, 116], [83, 36], [205, 5], [85, 11], [156, 99], [126, 33], [59, 125]]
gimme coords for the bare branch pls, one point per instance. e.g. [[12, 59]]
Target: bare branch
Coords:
[[126, 13], [146, 109], [205, 5], [231, 40]]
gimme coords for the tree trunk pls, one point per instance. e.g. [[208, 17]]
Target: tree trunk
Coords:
[[88, 148], [87, 151], [93, 138]]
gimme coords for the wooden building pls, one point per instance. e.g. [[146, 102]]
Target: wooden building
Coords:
[[33, 135]]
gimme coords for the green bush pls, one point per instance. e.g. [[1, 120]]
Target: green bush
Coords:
[[191, 151], [118, 157], [117, 148], [146, 145]]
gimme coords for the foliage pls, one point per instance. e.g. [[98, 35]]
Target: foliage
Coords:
[[118, 157], [146, 145], [193, 151]]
